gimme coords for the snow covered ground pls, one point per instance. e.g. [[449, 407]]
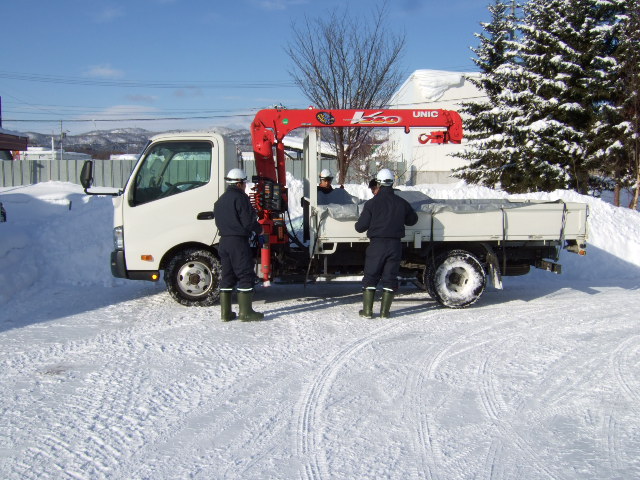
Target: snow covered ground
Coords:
[[106, 378]]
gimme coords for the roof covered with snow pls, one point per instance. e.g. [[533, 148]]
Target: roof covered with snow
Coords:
[[426, 86]]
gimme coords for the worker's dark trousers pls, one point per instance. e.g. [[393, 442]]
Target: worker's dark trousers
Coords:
[[382, 262], [237, 263]]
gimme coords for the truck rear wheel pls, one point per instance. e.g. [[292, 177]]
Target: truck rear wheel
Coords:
[[457, 279], [193, 278]]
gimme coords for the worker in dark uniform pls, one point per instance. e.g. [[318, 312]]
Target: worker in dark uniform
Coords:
[[383, 218], [236, 221], [326, 177]]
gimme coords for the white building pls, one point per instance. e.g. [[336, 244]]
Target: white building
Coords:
[[47, 154], [430, 89], [124, 156]]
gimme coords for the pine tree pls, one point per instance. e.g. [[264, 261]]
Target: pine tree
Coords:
[[557, 51], [622, 152], [485, 121], [539, 131], [631, 75], [608, 133]]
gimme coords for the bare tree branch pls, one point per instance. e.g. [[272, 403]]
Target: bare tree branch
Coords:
[[347, 62]]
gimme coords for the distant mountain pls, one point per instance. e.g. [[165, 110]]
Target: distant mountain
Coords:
[[103, 143]]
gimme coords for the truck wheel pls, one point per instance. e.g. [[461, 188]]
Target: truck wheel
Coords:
[[457, 279], [193, 278]]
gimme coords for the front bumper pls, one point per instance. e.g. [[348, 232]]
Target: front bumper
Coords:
[[118, 265], [119, 269]]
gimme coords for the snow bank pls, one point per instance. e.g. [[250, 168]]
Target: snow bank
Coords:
[[56, 234]]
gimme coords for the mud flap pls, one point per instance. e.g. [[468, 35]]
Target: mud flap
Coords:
[[494, 271]]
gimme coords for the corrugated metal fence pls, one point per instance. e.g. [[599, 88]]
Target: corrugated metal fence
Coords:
[[114, 173], [106, 173]]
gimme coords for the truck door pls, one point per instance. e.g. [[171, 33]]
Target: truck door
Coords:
[[171, 186]]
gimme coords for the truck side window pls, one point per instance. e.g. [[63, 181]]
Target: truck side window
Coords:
[[170, 168]]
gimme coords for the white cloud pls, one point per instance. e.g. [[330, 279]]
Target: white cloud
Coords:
[[108, 14], [188, 92], [104, 71], [142, 98], [121, 112], [280, 4]]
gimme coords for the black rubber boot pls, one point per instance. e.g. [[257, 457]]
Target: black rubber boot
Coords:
[[368, 295], [245, 299], [385, 304], [225, 306]]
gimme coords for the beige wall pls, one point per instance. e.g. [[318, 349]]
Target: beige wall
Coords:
[[430, 90]]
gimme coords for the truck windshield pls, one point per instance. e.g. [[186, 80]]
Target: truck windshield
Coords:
[[170, 168]]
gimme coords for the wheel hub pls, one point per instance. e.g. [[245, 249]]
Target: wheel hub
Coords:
[[195, 278], [457, 279]]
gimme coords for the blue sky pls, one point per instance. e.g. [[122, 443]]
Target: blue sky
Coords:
[[87, 61]]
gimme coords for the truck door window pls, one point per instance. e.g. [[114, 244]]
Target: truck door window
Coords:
[[171, 168]]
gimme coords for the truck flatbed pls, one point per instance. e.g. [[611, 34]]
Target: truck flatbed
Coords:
[[441, 220]]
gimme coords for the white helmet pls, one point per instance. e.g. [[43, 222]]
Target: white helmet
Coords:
[[326, 173], [385, 177], [235, 175]]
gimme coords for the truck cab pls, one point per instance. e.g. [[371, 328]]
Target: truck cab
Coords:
[[163, 219]]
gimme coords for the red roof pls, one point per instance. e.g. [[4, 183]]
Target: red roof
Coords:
[[12, 142]]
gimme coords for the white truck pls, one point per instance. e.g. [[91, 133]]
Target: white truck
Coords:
[[163, 218]]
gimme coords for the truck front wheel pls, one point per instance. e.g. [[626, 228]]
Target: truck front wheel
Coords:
[[193, 278], [457, 279]]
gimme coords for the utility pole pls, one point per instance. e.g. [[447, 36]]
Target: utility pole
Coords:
[[63, 134]]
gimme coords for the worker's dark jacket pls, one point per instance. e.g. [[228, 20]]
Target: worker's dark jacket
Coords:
[[385, 215], [234, 215], [383, 218], [236, 219]]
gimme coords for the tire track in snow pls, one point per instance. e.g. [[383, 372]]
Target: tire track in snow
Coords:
[[108, 423], [202, 421], [492, 467], [117, 426], [496, 408], [312, 404], [621, 359], [49, 369], [431, 455], [492, 402], [612, 436]]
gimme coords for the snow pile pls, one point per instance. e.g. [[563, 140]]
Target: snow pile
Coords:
[[434, 83], [56, 234]]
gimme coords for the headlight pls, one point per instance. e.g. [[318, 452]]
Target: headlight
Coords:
[[118, 238]]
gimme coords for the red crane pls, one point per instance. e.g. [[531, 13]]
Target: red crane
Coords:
[[270, 126]]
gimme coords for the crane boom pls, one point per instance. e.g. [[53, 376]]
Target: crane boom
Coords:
[[270, 126]]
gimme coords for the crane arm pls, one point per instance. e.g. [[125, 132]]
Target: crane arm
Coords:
[[270, 126]]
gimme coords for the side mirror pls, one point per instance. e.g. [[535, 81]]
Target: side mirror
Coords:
[[86, 175]]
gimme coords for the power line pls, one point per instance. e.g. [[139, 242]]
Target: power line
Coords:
[[205, 117], [128, 119], [187, 84]]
